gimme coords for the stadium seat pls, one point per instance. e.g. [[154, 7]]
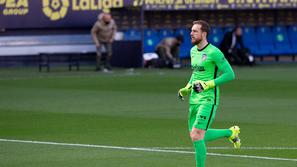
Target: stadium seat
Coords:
[[151, 39], [292, 33], [185, 32], [216, 36], [150, 32], [163, 33], [132, 34], [186, 45], [281, 41], [264, 40], [249, 39], [227, 29], [150, 44]]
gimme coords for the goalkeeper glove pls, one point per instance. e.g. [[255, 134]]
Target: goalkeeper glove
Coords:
[[200, 86], [184, 91]]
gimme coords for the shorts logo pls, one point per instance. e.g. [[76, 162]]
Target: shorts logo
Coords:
[[55, 9]]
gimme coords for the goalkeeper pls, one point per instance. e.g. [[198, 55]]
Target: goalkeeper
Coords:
[[210, 70]]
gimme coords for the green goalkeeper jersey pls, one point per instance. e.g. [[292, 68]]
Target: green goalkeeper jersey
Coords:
[[209, 63]]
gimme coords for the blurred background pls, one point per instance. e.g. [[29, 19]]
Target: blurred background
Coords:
[[30, 28], [50, 91]]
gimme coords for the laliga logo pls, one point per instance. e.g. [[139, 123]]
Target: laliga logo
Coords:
[[55, 9]]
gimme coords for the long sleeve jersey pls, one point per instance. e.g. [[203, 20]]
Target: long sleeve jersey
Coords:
[[209, 63]]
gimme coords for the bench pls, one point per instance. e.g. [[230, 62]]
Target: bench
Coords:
[[48, 48], [45, 47]]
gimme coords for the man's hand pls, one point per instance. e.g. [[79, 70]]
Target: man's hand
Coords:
[[200, 86], [184, 92], [97, 45]]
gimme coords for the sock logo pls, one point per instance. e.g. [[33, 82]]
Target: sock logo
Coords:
[[55, 9]]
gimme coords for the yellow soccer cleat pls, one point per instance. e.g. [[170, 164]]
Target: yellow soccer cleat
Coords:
[[234, 138]]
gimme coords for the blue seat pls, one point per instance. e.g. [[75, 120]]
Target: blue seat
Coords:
[[281, 41], [187, 44], [249, 39], [163, 33], [264, 40], [150, 43], [215, 36], [132, 34], [227, 29], [185, 33], [150, 32], [182, 31], [292, 33]]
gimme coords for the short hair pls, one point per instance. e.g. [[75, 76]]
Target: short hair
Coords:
[[204, 25], [236, 27]]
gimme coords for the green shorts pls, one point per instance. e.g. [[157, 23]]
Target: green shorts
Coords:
[[201, 116]]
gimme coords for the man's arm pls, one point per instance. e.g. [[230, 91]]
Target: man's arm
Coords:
[[94, 31], [186, 90], [114, 30], [240, 41], [226, 69]]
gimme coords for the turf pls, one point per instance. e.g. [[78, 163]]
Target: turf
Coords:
[[139, 108]]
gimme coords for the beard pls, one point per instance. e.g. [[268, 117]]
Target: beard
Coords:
[[196, 41]]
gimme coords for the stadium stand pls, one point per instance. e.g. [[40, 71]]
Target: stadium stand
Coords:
[[249, 37], [132, 34], [163, 33], [292, 33], [259, 33], [216, 36], [281, 41], [186, 45], [151, 39], [264, 41], [266, 33]]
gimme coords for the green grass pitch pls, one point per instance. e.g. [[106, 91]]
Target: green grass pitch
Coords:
[[140, 109]]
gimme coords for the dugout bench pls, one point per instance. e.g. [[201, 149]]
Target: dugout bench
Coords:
[[50, 50]]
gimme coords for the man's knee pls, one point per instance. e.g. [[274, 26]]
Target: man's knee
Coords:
[[197, 134], [98, 54]]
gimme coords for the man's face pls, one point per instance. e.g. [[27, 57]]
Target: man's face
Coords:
[[106, 18], [196, 34], [238, 31]]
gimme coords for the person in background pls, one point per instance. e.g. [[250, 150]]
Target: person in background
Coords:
[[168, 50], [103, 33], [233, 48]]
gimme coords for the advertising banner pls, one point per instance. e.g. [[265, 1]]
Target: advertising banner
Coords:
[[83, 13], [215, 4], [53, 13]]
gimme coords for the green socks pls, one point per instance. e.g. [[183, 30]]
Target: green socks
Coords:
[[213, 134], [200, 147], [200, 150]]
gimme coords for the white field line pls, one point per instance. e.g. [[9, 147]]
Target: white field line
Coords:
[[229, 148], [143, 149]]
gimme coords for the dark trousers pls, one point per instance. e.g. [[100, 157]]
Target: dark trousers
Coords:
[[239, 57], [104, 53], [167, 60]]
